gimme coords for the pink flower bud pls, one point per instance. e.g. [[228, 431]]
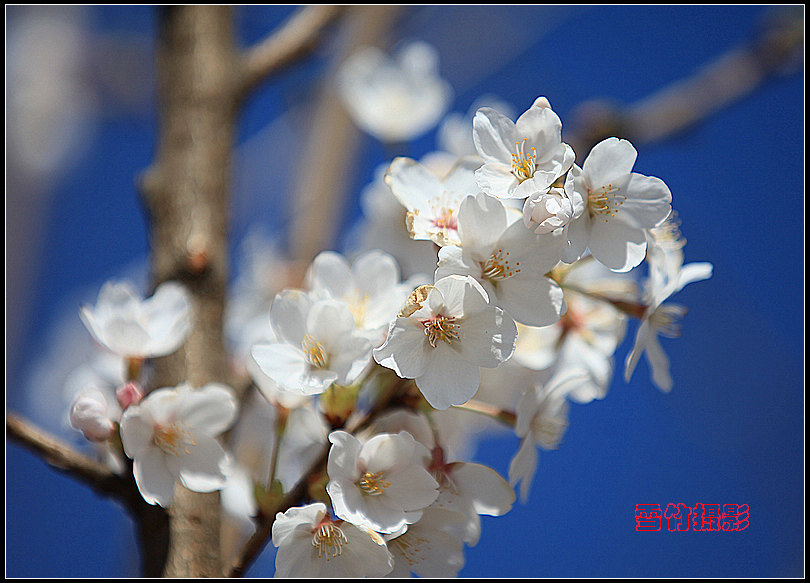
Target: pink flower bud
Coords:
[[129, 394], [88, 414]]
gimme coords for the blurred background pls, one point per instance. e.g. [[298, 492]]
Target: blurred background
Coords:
[[81, 125]]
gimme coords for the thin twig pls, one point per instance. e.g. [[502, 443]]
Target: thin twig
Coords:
[[295, 38], [63, 457]]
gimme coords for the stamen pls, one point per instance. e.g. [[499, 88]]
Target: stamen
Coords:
[[329, 541], [373, 484], [523, 165], [172, 439], [315, 352], [606, 201], [445, 220], [499, 266], [666, 318], [441, 328]]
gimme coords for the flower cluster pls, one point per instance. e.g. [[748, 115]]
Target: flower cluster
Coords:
[[490, 284]]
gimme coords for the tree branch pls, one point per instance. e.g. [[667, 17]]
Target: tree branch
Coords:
[[296, 37], [64, 458], [685, 103]]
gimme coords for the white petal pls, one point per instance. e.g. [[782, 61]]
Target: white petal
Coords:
[[617, 245], [609, 162], [331, 272], [481, 219], [155, 481], [487, 338], [449, 380], [202, 469], [210, 409], [288, 315], [489, 492], [404, 349], [497, 179], [412, 183], [659, 364], [648, 201], [494, 136]]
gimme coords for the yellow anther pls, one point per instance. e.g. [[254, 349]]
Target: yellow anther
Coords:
[[172, 439], [314, 351], [441, 328], [606, 201], [523, 165], [373, 483], [499, 266]]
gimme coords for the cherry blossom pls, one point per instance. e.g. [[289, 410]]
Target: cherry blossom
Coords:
[[446, 333], [135, 328], [522, 157], [171, 434]]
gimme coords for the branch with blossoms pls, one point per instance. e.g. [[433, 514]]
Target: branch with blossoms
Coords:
[[489, 287]]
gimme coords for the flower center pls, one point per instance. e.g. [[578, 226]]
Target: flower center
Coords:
[[173, 439], [523, 165], [329, 541], [668, 233], [445, 220], [373, 484], [499, 266], [606, 201], [315, 352], [441, 328], [666, 318], [358, 306]]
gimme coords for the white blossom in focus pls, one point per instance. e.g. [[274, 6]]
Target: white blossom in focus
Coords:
[[136, 328], [432, 201], [171, 434], [508, 260], [317, 346], [522, 157], [621, 206], [312, 545], [394, 99], [447, 332], [553, 211], [383, 483]]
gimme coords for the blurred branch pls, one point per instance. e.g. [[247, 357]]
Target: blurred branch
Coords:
[[321, 192], [296, 37], [685, 103], [63, 457]]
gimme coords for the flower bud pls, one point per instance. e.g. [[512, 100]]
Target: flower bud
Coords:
[[88, 414], [129, 394], [547, 212]]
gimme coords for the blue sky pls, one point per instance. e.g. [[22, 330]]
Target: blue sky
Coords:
[[731, 430]]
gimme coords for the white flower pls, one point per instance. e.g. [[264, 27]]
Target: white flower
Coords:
[[91, 414], [470, 490], [662, 318], [172, 433], [508, 260], [370, 287], [432, 547], [445, 334], [312, 545], [397, 99], [523, 157], [432, 202], [621, 205], [383, 227], [317, 345], [542, 418], [135, 328], [382, 484]]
